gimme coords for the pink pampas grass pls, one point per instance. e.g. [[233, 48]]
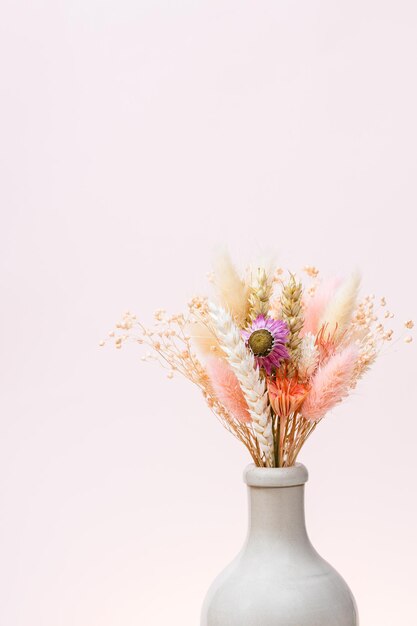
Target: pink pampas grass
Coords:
[[227, 389], [330, 384], [316, 305]]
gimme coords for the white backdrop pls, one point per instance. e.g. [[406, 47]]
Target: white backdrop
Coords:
[[136, 136]]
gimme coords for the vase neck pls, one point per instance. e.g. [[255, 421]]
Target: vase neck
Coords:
[[276, 504], [277, 512]]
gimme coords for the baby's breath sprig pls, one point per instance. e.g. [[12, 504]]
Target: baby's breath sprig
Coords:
[[171, 345]]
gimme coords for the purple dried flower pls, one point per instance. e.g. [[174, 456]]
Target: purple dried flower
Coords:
[[266, 338]]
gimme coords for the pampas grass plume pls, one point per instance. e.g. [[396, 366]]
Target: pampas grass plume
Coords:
[[330, 384], [232, 291], [315, 306], [227, 389], [340, 308], [204, 340]]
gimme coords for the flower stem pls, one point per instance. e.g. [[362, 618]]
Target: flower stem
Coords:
[[279, 459]]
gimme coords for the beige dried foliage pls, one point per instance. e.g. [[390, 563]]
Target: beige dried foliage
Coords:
[[204, 340], [231, 290]]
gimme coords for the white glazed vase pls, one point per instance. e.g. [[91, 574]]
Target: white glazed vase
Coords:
[[278, 579]]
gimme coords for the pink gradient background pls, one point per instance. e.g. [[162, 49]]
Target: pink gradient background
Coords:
[[137, 136]]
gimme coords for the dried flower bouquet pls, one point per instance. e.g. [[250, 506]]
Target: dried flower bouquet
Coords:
[[272, 356]]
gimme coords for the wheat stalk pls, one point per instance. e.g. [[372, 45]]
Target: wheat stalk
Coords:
[[253, 386], [292, 314], [260, 294]]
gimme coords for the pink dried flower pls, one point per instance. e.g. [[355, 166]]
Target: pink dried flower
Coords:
[[227, 389], [330, 384]]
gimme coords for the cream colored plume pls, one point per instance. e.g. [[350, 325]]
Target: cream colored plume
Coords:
[[203, 339], [309, 357], [340, 308], [232, 291]]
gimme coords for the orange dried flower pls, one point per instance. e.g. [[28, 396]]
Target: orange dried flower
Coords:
[[286, 395]]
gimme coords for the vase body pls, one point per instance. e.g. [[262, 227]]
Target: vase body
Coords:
[[278, 579]]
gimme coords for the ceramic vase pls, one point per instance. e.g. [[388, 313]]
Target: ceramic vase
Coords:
[[278, 578]]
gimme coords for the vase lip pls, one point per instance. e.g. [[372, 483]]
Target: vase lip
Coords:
[[275, 476]]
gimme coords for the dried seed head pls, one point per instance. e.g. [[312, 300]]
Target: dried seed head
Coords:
[[261, 342]]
